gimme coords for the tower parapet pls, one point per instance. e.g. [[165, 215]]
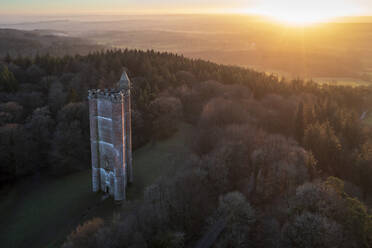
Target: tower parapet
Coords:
[[113, 95], [111, 138]]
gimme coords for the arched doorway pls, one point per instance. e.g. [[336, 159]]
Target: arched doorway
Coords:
[[106, 164], [107, 175]]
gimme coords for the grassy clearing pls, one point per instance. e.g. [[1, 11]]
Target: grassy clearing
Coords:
[[368, 119], [37, 210], [342, 81], [345, 81], [40, 212], [159, 158]]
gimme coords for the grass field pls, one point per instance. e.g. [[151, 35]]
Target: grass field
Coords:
[[368, 119], [40, 212], [345, 81], [342, 81]]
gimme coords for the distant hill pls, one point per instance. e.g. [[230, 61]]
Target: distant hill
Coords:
[[334, 51], [29, 43]]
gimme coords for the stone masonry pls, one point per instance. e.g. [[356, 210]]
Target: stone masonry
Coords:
[[111, 138]]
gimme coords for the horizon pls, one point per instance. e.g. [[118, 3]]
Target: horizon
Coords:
[[15, 19], [288, 11], [240, 123]]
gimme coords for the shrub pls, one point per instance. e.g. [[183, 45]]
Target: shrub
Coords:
[[84, 235]]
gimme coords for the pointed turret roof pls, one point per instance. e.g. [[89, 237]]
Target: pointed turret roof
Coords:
[[124, 82]]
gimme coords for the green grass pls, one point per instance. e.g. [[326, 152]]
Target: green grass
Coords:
[[156, 159], [41, 212], [35, 211]]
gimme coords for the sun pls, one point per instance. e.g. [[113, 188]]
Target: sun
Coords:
[[304, 12], [298, 19]]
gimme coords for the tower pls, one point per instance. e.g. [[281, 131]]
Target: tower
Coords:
[[111, 138]]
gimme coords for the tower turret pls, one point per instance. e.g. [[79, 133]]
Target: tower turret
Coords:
[[124, 82]]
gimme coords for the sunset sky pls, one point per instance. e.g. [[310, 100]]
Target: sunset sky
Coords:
[[315, 9]]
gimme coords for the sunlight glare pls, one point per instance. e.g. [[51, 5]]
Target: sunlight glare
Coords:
[[304, 12]]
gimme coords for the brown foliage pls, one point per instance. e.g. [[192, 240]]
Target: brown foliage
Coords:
[[166, 111], [220, 112], [84, 235]]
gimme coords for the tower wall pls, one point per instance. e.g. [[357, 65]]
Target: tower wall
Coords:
[[94, 144], [128, 135], [111, 139], [118, 138], [104, 120], [108, 142]]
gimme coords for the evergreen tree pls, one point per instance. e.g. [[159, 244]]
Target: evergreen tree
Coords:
[[8, 82], [322, 141], [299, 123]]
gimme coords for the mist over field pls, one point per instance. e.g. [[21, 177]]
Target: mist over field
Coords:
[[337, 51]]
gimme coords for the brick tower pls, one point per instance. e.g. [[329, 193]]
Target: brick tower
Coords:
[[111, 138]]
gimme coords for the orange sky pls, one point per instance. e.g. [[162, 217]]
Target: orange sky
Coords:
[[291, 10]]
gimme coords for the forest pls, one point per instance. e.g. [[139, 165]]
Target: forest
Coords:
[[309, 51], [30, 43], [273, 162]]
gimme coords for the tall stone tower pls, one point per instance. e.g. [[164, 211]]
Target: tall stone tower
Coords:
[[111, 138]]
